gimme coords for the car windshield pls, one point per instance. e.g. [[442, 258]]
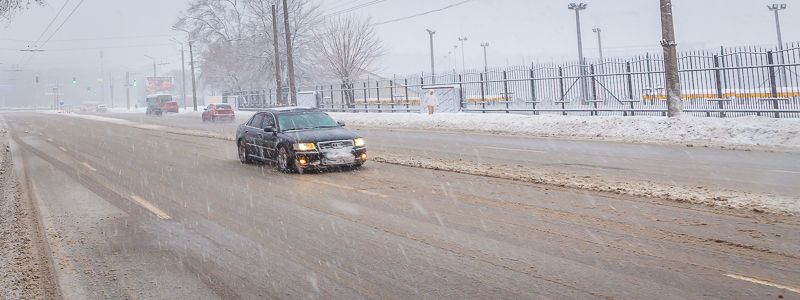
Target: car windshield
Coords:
[[305, 121], [223, 106]]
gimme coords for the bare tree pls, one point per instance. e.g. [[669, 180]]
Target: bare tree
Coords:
[[349, 46], [9, 7], [235, 40]]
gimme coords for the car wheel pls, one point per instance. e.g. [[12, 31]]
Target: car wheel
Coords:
[[243, 157], [285, 161]]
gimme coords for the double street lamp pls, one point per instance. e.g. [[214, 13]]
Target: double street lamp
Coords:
[[578, 7]]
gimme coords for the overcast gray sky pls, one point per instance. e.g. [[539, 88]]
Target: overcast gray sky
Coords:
[[518, 31]]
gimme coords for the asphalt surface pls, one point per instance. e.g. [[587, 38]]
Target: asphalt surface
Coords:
[[769, 172], [141, 213]]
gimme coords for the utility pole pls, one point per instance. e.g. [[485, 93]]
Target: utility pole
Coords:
[[672, 78], [578, 7], [485, 58], [128, 89], [276, 52], [289, 55], [183, 75], [455, 59], [463, 58], [194, 83], [433, 68], [111, 90], [776, 8], [599, 42], [102, 80]]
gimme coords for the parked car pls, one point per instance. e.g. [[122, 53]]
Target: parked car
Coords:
[[297, 139], [170, 107], [218, 112], [101, 108]]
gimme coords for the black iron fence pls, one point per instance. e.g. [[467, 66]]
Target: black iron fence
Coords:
[[732, 82]]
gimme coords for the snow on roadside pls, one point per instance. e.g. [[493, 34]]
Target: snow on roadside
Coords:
[[622, 186], [729, 132]]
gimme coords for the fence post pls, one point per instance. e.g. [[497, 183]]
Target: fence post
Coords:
[[594, 89], [483, 95], [378, 94], [366, 101], [391, 93], [629, 76], [718, 81], [405, 86], [460, 92], [773, 82], [533, 91], [561, 83], [505, 90]]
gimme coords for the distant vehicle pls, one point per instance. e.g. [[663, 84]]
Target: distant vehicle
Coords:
[[155, 104], [297, 139], [101, 108], [170, 107], [217, 112]]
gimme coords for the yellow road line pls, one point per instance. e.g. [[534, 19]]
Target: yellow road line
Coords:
[[763, 282], [152, 208]]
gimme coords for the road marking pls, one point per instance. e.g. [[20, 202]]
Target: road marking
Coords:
[[785, 171], [515, 149], [89, 167], [373, 193], [152, 208], [764, 282], [349, 188], [62, 148]]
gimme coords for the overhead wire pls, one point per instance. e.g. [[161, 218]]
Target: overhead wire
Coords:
[[423, 13]]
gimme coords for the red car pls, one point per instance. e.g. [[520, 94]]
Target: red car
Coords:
[[217, 112], [170, 107]]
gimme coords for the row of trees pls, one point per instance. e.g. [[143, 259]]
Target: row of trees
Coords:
[[237, 51], [9, 7]]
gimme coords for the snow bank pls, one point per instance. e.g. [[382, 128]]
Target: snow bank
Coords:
[[608, 184], [728, 132]]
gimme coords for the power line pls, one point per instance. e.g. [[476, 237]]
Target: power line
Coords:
[[353, 8], [423, 13], [62, 23], [51, 22]]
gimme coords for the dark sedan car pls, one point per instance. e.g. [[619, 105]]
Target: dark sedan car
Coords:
[[296, 139]]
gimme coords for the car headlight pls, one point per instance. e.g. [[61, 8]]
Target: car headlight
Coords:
[[359, 142], [304, 147]]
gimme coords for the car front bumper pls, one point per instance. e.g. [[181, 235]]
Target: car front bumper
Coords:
[[318, 160]]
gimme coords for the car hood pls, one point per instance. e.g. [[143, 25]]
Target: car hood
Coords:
[[321, 135]]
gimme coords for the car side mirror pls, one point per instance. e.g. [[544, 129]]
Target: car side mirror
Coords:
[[270, 129], [340, 123]]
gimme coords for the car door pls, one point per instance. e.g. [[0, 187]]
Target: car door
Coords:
[[269, 140], [252, 135]]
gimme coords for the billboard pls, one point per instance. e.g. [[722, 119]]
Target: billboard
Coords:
[[159, 84]]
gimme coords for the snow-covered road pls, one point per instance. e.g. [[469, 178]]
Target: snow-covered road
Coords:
[[143, 213]]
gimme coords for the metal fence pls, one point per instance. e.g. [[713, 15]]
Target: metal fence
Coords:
[[731, 82]]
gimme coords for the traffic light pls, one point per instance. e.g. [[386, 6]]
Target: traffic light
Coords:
[[74, 80], [37, 79], [135, 83]]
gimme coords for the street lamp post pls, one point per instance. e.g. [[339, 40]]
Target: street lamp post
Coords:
[[463, 57], [433, 66], [599, 42], [578, 7], [183, 72], [776, 8], [455, 59], [485, 58]]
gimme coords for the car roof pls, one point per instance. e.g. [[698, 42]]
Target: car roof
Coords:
[[292, 109]]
